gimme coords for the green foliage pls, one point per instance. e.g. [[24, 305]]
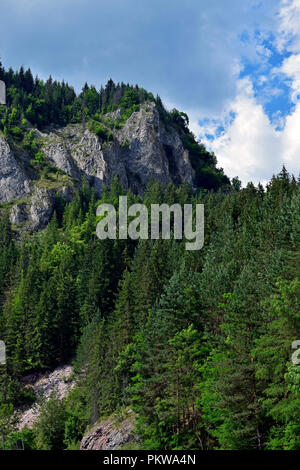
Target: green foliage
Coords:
[[17, 133], [30, 143], [77, 418], [281, 395], [130, 98], [24, 439], [46, 103]]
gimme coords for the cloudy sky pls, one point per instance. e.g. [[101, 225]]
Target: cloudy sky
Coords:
[[232, 65]]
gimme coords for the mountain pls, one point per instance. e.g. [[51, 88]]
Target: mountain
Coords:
[[138, 151], [52, 139]]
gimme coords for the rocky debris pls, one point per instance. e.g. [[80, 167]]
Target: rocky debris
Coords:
[[110, 434], [13, 181], [58, 383]]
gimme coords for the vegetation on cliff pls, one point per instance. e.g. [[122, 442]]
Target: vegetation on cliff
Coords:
[[198, 344]]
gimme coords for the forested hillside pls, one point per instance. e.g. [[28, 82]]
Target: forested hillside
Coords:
[[197, 344]]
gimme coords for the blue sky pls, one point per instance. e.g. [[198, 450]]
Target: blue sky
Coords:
[[232, 65]]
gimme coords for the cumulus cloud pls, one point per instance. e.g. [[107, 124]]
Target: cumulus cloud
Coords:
[[289, 38], [252, 145]]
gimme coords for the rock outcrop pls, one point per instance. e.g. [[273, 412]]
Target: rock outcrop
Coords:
[[152, 151], [13, 181], [111, 434], [140, 149], [57, 383]]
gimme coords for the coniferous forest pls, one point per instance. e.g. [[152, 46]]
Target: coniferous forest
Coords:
[[197, 343]]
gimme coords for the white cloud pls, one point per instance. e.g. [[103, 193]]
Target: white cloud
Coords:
[[291, 141], [291, 68], [250, 146]]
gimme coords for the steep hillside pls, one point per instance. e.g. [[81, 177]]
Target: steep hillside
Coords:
[[50, 139], [169, 348]]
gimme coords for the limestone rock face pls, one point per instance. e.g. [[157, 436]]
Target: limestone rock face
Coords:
[[42, 205], [13, 181], [18, 214], [110, 434], [141, 149], [77, 152], [36, 212]]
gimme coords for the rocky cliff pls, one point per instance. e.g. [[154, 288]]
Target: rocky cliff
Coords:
[[58, 383], [111, 434], [139, 149]]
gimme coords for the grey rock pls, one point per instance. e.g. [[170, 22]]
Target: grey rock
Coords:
[[2, 92], [13, 181], [141, 149], [42, 205], [58, 383], [153, 152], [78, 152], [110, 434], [41, 208]]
